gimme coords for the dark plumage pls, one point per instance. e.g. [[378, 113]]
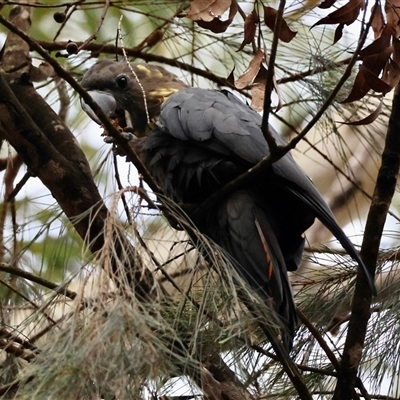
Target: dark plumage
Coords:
[[204, 139]]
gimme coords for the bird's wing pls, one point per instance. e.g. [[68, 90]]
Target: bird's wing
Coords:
[[242, 228], [240, 224], [221, 123]]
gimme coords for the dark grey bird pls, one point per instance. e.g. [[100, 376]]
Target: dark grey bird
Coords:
[[202, 140]]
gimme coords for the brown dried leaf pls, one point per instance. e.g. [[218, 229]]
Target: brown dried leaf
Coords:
[[369, 119], [198, 8], [207, 10], [218, 26], [359, 90], [392, 16], [250, 27], [367, 77], [327, 4], [391, 73], [344, 15], [257, 96], [379, 44], [376, 62], [396, 50], [378, 21], [231, 78], [286, 34], [248, 76], [258, 89], [338, 33], [375, 83]]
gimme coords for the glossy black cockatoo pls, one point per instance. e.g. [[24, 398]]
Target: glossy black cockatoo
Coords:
[[202, 140]]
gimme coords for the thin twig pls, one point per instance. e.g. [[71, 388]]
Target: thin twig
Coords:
[[5, 334], [27, 299], [134, 52], [120, 187], [19, 186], [346, 75], [11, 387], [269, 84], [16, 351], [336, 364], [312, 71], [34, 278], [96, 48], [68, 14], [146, 108], [99, 25]]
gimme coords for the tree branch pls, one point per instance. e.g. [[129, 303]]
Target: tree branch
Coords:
[[37, 279], [49, 150], [269, 84], [381, 200]]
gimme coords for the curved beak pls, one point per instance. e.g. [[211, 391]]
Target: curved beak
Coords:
[[105, 101]]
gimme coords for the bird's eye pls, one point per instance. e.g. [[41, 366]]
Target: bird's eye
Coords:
[[122, 81]]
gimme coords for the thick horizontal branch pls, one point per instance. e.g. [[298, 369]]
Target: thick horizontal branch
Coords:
[[137, 53]]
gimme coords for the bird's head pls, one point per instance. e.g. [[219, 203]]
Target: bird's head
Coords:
[[124, 91]]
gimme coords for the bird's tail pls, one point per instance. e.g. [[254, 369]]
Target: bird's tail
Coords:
[[325, 215], [241, 228]]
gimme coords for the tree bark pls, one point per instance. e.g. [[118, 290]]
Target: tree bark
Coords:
[[51, 153], [381, 200]]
